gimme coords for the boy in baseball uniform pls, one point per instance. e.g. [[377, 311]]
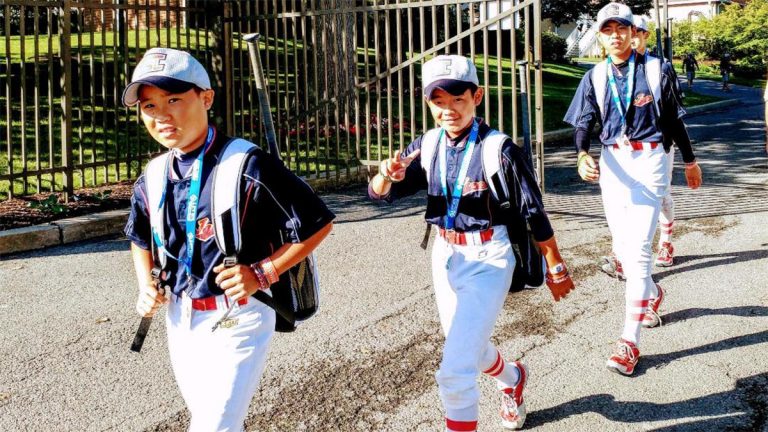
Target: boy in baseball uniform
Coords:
[[472, 258], [665, 250], [217, 371], [634, 100]]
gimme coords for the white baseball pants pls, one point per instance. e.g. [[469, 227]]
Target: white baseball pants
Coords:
[[633, 183], [218, 372], [471, 283], [667, 214]]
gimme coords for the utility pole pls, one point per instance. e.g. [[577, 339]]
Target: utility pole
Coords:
[[659, 51], [668, 38]]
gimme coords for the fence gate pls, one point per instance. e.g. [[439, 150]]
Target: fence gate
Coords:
[[343, 79], [345, 75]]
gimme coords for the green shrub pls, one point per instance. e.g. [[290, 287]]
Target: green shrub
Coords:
[[553, 47]]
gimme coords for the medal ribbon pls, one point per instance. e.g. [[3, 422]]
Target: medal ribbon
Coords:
[[193, 198], [623, 109], [453, 199]]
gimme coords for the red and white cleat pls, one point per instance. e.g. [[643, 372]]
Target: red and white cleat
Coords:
[[611, 266], [512, 404], [624, 359], [652, 317], [664, 257]]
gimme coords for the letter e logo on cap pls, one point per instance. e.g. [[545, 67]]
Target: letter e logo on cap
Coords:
[[446, 64], [159, 62]]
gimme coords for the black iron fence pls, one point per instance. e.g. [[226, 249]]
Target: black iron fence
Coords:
[[343, 78]]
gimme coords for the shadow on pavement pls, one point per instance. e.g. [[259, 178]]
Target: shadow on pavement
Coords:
[[353, 205], [659, 360], [740, 311], [731, 415], [722, 259]]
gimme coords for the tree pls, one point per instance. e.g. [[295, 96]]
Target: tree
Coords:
[[566, 11], [740, 30]]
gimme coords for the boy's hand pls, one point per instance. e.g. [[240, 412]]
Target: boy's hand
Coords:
[[238, 281], [149, 300], [394, 168], [587, 167], [560, 284], [693, 175]]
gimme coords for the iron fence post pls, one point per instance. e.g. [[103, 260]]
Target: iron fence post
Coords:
[[221, 64], [65, 49], [539, 90]]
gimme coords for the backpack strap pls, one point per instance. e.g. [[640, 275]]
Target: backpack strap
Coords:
[[428, 149], [653, 76], [225, 197], [155, 179], [599, 77], [492, 162], [225, 208]]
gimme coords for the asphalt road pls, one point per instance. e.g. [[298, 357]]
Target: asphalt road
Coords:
[[367, 361]]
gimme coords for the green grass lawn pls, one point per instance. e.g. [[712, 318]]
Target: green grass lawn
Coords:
[[101, 41], [97, 140]]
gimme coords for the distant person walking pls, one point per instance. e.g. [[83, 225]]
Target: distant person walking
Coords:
[[725, 70], [690, 65], [765, 99]]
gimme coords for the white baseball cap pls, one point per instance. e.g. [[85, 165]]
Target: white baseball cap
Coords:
[[169, 69], [614, 12], [640, 22], [452, 73]]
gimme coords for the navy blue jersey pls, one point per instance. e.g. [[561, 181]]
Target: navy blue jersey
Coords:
[[643, 124], [478, 210], [275, 201]]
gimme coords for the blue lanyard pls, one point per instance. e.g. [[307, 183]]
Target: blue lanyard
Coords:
[[193, 198], [453, 199], [630, 89]]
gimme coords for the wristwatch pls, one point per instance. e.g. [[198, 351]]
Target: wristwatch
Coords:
[[558, 268]]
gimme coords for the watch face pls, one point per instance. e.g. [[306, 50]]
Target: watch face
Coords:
[[557, 269]]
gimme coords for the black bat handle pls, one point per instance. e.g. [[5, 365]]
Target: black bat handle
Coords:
[[141, 333]]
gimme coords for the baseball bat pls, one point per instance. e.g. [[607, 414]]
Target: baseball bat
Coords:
[[252, 39], [141, 332]]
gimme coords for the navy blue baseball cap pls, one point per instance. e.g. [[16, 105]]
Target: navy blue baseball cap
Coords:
[[171, 70]]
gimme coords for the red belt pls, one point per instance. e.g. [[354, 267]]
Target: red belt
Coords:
[[638, 145], [209, 303], [460, 238]]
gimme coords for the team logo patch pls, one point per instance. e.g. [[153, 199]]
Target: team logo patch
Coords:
[[613, 10], [204, 230], [642, 100], [470, 187]]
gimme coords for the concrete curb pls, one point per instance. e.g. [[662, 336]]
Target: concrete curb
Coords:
[[112, 222], [63, 231], [712, 106]]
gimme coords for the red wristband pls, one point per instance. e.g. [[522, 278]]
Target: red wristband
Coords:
[[263, 282], [269, 270]]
